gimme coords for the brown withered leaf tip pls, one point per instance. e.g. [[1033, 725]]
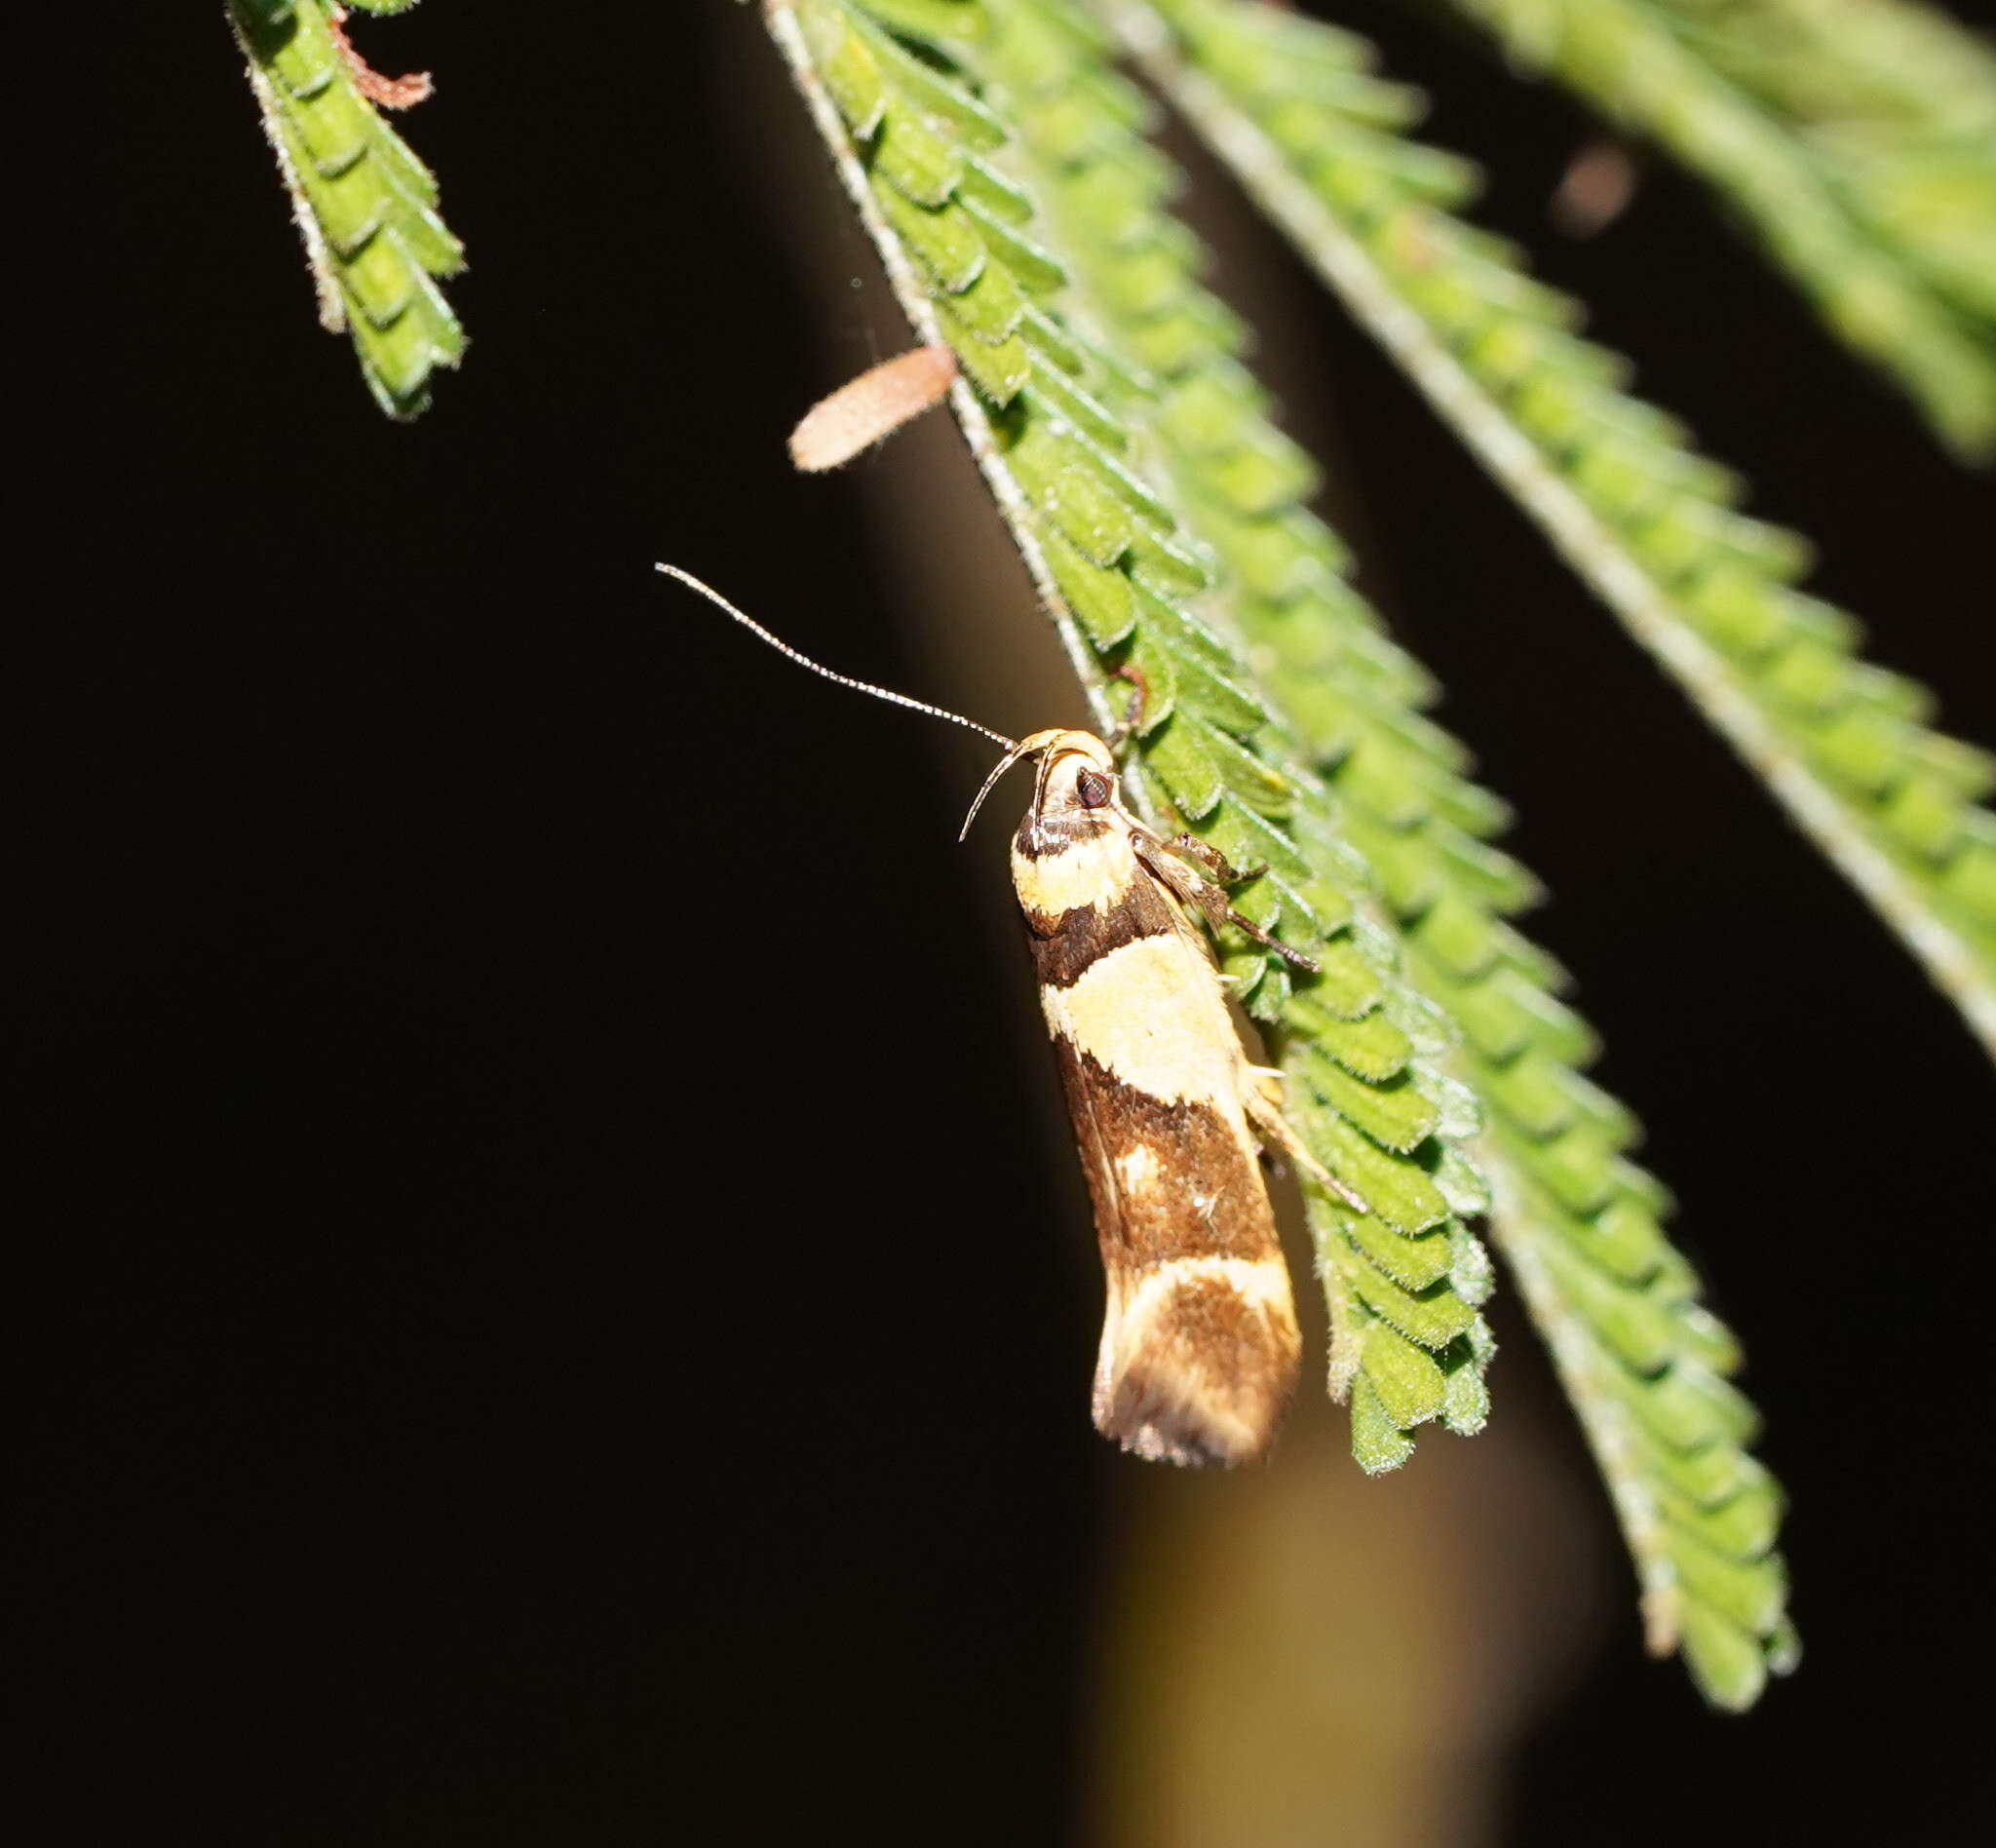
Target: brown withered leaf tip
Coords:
[[385, 93]]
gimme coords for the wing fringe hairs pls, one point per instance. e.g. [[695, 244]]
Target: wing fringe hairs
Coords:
[[1857, 140], [365, 205], [1153, 378], [1048, 409], [1289, 107]]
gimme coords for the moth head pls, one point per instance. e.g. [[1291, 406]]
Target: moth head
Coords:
[[1077, 774]]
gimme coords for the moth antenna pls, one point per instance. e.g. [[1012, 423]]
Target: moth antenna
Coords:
[[1003, 764], [893, 698]]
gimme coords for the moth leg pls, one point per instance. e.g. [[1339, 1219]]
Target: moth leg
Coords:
[[1132, 713], [1210, 898], [1294, 958], [1262, 1098], [1186, 883], [1263, 1094], [1193, 888], [1210, 858]]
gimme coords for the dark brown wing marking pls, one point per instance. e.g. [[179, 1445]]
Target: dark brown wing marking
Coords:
[[1210, 1199], [1080, 938]]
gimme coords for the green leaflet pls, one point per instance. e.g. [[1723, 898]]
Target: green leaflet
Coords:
[[1065, 434], [1857, 140], [365, 205], [1650, 525]]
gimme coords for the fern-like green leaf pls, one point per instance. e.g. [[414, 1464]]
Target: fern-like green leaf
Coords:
[[928, 111], [1146, 366], [1876, 193], [1289, 105], [365, 205], [1643, 1359]]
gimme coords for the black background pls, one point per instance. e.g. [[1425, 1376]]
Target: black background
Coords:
[[592, 1335]]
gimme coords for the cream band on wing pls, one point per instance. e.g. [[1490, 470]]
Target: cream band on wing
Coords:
[[1096, 873], [1151, 1013]]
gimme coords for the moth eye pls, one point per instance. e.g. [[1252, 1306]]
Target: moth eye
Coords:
[[1092, 788]]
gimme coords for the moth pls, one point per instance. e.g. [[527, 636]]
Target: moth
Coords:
[[1199, 1349]]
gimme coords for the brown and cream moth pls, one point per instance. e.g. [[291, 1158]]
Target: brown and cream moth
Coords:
[[1199, 1349]]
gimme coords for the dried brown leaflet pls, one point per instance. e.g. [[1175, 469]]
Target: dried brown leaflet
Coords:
[[870, 408]]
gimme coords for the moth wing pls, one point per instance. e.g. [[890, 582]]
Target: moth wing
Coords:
[[1200, 1350]]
